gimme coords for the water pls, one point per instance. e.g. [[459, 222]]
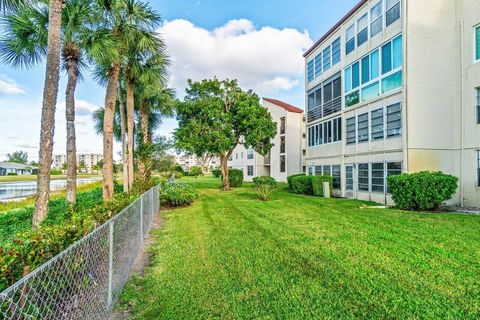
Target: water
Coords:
[[11, 191]]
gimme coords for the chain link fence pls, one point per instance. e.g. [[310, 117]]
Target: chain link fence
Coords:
[[85, 281]]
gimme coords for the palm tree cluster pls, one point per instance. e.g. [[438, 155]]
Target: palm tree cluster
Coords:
[[116, 39]]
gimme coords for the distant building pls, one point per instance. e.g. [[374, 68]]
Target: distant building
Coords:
[[286, 156], [7, 168], [90, 159]]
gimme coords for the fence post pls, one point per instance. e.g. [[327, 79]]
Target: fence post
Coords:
[[110, 264]]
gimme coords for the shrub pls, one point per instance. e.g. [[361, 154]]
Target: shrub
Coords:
[[12, 174], [264, 186], [177, 194], [55, 172], [235, 178], [317, 184], [178, 168], [217, 173], [302, 184], [289, 179], [195, 171], [422, 190]]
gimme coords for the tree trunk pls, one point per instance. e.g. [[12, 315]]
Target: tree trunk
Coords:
[[144, 160], [50, 92], [72, 70], [123, 123], [130, 129], [110, 101], [224, 169]]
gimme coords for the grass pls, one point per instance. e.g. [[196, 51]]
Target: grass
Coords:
[[231, 256], [34, 177]]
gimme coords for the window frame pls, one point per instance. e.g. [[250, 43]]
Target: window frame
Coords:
[[387, 9], [477, 103], [380, 17], [364, 128], [366, 28], [360, 175], [478, 168], [326, 132], [476, 50], [388, 122], [283, 163], [250, 154], [381, 115], [353, 29], [382, 178], [250, 173]]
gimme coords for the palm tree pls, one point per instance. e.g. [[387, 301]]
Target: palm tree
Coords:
[[12, 4], [26, 44]]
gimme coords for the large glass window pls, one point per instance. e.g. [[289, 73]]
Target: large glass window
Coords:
[[310, 70], [393, 169], [371, 91], [250, 171], [376, 18], [282, 125], [326, 59], [351, 131], [387, 58], [363, 127], [397, 54], [318, 170], [336, 51], [349, 178], [363, 177], [362, 27], [326, 132], [282, 163], [355, 75], [394, 120], [392, 82], [366, 69], [318, 65], [249, 154], [327, 171], [350, 39], [378, 177], [337, 180], [377, 124], [392, 11], [477, 43], [325, 99], [282, 144]]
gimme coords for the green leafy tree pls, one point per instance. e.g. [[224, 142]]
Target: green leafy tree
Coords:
[[195, 171], [82, 166], [18, 157], [64, 166], [216, 116]]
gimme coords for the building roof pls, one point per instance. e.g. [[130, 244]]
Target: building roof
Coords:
[[14, 165], [284, 105], [335, 27]]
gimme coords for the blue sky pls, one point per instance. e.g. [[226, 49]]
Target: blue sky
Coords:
[[258, 42]]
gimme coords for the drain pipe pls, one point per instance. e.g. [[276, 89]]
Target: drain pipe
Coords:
[[462, 103]]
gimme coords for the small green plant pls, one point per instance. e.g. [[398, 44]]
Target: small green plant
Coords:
[[422, 190], [217, 173], [290, 178], [178, 168], [235, 178], [177, 194], [264, 186], [195, 171], [302, 184], [12, 174], [55, 172]]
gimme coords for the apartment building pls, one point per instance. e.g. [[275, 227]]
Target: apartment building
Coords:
[[187, 161], [394, 87], [287, 156], [90, 160]]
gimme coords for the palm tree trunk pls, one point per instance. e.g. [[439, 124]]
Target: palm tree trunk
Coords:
[[130, 129], [110, 101], [123, 124], [72, 70], [145, 157], [50, 92]]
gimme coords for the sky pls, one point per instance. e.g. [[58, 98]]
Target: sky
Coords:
[[260, 43]]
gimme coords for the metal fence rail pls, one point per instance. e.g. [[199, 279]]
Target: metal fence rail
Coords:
[[85, 281]]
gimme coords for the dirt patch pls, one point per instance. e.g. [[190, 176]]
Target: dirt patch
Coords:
[[141, 262]]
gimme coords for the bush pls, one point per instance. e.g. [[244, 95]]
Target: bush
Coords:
[[12, 174], [264, 186], [317, 184], [55, 172], [302, 184], [217, 173], [422, 190], [289, 179], [235, 178], [177, 194], [178, 168], [195, 171]]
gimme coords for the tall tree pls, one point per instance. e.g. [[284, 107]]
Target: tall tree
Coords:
[[18, 157], [12, 4], [216, 116]]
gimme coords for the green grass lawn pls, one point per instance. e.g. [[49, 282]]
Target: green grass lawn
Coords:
[[231, 256]]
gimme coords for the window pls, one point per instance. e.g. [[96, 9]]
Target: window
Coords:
[[327, 171], [351, 131], [241, 155], [387, 57], [337, 184], [282, 144], [362, 27], [310, 171], [378, 177], [394, 120], [336, 52], [350, 39], [478, 168], [392, 11], [363, 127], [249, 171], [478, 105], [326, 59], [393, 169], [349, 178], [282, 163], [377, 124], [318, 170], [363, 177], [477, 43], [310, 70], [376, 17], [318, 65], [282, 125], [236, 155], [250, 154], [325, 99], [326, 132]]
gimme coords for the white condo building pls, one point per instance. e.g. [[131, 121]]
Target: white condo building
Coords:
[[394, 87], [286, 156], [90, 159]]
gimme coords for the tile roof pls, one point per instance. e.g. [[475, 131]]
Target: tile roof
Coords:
[[284, 105]]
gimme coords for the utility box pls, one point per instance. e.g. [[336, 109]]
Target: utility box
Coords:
[[326, 189]]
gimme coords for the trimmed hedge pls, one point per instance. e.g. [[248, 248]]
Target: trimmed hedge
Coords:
[[264, 186], [177, 194], [235, 178], [422, 190], [310, 185], [290, 178], [217, 173]]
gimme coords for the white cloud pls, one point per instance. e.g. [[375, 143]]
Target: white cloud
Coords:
[[8, 86], [82, 108], [267, 60]]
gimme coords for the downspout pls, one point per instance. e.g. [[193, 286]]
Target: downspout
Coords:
[[405, 88], [462, 104]]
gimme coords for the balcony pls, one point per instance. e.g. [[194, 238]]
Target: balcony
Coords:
[[326, 109]]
